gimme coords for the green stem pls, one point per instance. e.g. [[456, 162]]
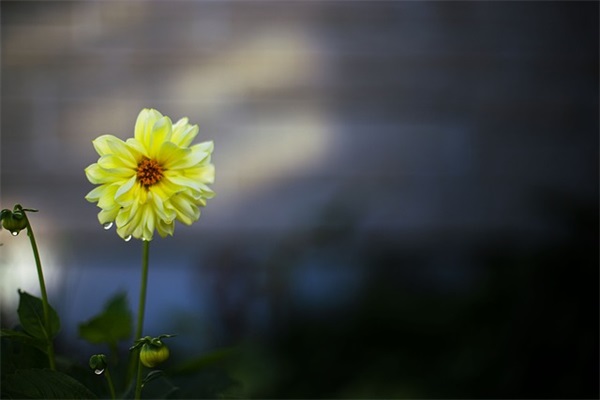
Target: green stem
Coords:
[[40, 273], [114, 353], [138, 381], [143, 286], [111, 387], [141, 309]]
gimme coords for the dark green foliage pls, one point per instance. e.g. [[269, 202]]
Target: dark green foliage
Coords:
[[110, 326], [31, 316], [43, 384], [24, 338], [211, 383], [24, 364], [17, 354], [205, 376]]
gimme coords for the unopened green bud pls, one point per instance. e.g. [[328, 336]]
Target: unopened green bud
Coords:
[[14, 220], [98, 363], [153, 354], [152, 350]]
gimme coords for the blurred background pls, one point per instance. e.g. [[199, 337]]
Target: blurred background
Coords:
[[407, 192]]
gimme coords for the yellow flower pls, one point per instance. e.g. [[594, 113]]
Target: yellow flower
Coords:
[[149, 181]]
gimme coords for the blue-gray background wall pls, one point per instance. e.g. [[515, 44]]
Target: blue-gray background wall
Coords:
[[407, 192]]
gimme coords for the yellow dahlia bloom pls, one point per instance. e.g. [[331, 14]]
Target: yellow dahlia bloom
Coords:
[[149, 181]]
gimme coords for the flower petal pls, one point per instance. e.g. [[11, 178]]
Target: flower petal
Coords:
[[148, 222], [128, 155], [163, 228], [111, 161], [144, 124], [169, 154], [125, 194], [207, 146], [107, 200], [98, 175], [101, 144], [138, 147], [108, 215], [95, 194], [197, 155], [187, 211], [161, 132], [177, 178], [204, 174], [107, 145], [158, 203], [184, 133]]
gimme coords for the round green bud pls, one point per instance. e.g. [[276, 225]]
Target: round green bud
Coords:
[[98, 363], [153, 354], [14, 222]]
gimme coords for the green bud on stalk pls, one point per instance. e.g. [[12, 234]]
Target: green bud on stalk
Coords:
[[98, 363], [151, 355], [14, 221], [152, 350]]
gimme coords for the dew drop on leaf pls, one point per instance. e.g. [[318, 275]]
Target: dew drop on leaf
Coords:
[[14, 233], [107, 225], [127, 238], [98, 371]]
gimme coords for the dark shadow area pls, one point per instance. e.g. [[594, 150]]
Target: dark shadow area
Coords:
[[504, 316]]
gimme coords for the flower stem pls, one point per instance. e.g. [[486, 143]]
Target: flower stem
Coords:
[[138, 380], [111, 387], [38, 263], [141, 309], [143, 286]]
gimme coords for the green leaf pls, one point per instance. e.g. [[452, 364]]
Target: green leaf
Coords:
[[31, 315], [43, 384], [152, 375], [25, 339], [15, 355], [110, 326]]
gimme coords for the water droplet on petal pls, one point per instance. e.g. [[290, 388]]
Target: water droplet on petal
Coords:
[[107, 225], [14, 233], [98, 371], [127, 238]]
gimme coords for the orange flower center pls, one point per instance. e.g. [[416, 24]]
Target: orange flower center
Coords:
[[149, 172]]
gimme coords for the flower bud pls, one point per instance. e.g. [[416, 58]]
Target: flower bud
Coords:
[[154, 353], [152, 350], [13, 221], [98, 363]]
